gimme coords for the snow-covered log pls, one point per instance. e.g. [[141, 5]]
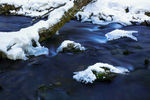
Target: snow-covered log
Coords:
[[16, 7], [78, 4], [25, 42]]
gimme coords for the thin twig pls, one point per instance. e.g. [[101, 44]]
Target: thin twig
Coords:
[[49, 10]]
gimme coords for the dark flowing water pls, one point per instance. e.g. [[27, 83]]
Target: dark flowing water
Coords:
[[50, 77]]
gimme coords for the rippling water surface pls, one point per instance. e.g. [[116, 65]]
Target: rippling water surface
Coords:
[[50, 77]]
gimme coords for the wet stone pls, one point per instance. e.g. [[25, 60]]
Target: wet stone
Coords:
[[116, 51], [147, 13], [146, 61], [43, 88], [127, 52], [57, 84], [50, 86], [127, 10], [1, 88]]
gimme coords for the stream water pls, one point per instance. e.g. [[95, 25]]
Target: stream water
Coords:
[[49, 77]]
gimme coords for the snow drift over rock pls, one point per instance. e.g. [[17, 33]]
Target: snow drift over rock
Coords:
[[70, 46], [116, 34], [120, 11], [19, 45], [88, 76]]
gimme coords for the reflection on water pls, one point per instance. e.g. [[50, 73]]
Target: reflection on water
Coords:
[[50, 77]]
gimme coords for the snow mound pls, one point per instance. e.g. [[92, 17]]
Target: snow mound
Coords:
[[125, 12], [116, 34], [20, 44], [70, 46], [88, 76]]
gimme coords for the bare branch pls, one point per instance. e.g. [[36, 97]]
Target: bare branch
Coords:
[[49, 10]]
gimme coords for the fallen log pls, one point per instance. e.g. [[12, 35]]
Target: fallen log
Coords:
[[44, 32], [5, 9], [78, 4]]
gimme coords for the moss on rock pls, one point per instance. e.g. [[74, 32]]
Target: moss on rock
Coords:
[[104, 76]]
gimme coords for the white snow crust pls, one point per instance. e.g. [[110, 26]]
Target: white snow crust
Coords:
[[87, 76], [67, 43], [116, 34], [121, 11]]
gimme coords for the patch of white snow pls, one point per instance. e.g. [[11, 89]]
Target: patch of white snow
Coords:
[[87, 76], [116, 34], [120, 11], [69, 45]]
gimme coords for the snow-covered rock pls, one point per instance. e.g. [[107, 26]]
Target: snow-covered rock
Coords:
[[120, 11], [116, 34], [97, 71], [70, 46]]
